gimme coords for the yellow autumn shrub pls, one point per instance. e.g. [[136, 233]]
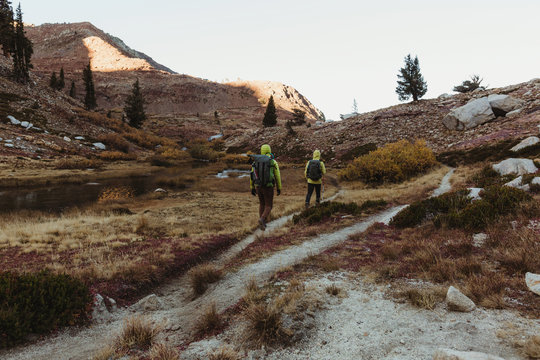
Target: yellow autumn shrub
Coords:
[[394, 162]]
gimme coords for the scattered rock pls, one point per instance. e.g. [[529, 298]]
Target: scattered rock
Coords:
[[513, 113], [99, 146], [470, 115], [9, 145], [447, 354], [479, 239], [100, 313], [536, 180], [160, 190], [13, 120], [533, 282], [518, 184], [79, 138], [149, 303], [530, 141], [502, 104], [474, 193], [444, 96], [515, 166], [456, 301], [67, 139]]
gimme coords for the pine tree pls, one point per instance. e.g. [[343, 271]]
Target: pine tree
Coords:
[[470, 85], [72, 91], [90, 97], [410, 80], [53, 82], [299, 117], [134, 107], [21, 50], [6, 26], [270, 116], [61, 81]]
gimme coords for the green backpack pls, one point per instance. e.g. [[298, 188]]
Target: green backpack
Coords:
[[263, 171]]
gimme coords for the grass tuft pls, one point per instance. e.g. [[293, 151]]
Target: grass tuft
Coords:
[[137, 333], [163, 352], [224, 353], [209, 321], [265, 324], [532, 347], [202, 275], [333, 290]]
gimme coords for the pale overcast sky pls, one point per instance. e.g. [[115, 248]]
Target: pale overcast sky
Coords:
[[331, 51]]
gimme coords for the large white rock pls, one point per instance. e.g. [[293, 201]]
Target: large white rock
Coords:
[[518, 184], [474, 193], [530, 141], [515, 166], [149, 303], [448, 354], [502, 104], [533, 282], [458, 302], [470, 115], [536, 180], [100, 313], [99, 146], [13, 120]]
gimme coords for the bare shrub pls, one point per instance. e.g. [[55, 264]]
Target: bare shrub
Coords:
[[202, 275], [224, 353], [163, 352], [137, 333], [209, 321]]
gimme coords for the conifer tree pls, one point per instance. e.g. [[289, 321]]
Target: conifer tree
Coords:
[[61, 81], [53, 82], [72, 91], [90, 97], [21, 50], [134, 107], [410, 80], [270, 116], [6, 26], [470, 85]]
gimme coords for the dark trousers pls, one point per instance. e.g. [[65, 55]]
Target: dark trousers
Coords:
[[310, 188], [266, 201]]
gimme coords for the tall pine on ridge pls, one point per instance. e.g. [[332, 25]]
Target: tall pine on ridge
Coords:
[[134, 107], [72, 91], [410, 80], [6, 26], [21, 50], [270, 116], [90, 97], [61, 81]]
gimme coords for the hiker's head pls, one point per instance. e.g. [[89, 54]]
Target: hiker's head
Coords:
[[316, 155], [265, 149]]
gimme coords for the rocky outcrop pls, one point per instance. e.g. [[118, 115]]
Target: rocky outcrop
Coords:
[[533, 282], [515, 166], [530, 141], [456, 301], [150, 303], [448, 354], [503, 104], [518, 184], [474, 113]]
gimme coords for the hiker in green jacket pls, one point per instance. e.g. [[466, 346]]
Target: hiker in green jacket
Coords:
[[313, 173], [264, 176]]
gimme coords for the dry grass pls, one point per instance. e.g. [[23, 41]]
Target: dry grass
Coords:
[[224, 353], [333, 290], [107, 353], [254, 294], [163, 352], [265, 324], [209, 321], [116, 156], [424, 298], [532, 347], [137, 333], [203, 275], [403, 193], [78, 163]]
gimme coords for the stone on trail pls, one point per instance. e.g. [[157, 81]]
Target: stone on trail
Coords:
[[533, 282], [458, 302], [515, 166], [470, 115], [502, 104], [530, 141], [447, 354], [150, 303]]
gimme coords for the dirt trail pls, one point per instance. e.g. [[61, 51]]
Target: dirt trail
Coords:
[[179, 312]]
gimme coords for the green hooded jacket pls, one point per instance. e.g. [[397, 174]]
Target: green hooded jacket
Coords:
[[265, 150], [316, 156]]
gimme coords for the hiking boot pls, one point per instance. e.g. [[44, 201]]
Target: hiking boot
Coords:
[[262, 225], [307, 206]]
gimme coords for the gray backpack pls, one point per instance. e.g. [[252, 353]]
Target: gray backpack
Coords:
[[263, 172], [314, 171]]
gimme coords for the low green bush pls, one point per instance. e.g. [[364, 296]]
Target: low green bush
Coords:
[[327, 209], [38, 303], [455, 210]]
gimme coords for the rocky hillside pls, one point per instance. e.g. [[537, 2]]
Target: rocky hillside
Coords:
[[116, 66], [420, 120]]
